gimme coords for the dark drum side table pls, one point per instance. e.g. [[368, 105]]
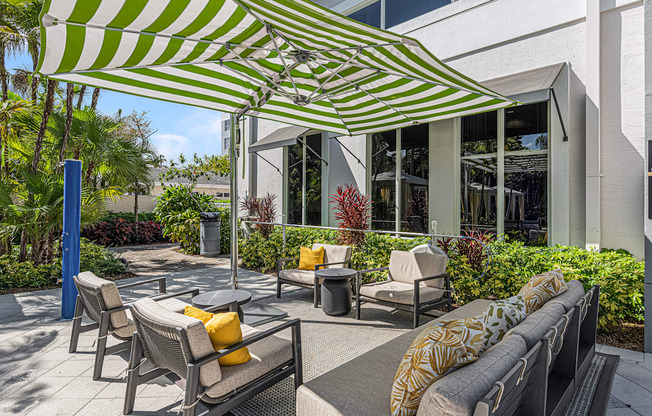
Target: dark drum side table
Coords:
[[336, 290], [222, 297]]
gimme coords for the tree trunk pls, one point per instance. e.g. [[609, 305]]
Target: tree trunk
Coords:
[[82, 92], [136, 210], [96, 96], [22, 253], [34, 53], [47, 109], [3, 76], [70, 90]]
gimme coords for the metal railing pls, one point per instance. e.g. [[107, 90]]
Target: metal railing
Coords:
[[433, 237]]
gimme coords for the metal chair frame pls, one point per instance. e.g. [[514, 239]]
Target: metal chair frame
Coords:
[[316, 286]]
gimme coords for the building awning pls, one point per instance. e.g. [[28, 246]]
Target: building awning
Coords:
[[527, 87], [285, 136]]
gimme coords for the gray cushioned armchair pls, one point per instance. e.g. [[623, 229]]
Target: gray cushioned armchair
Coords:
[[101, 301], [334, 256], [416, 282], [173, 342]]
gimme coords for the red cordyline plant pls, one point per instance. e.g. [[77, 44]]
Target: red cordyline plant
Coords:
[[263, 209], [353, 211], [471, 248]]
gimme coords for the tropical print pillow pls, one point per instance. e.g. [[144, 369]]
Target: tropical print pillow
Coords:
[[433, 354], [541, 288], [501, 316], [469, 330]]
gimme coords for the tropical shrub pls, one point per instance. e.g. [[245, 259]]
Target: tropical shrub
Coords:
[[120, 232], [264, 209], [128, 216], [352, 211], [511, 265], [27, 274], [177, 210]]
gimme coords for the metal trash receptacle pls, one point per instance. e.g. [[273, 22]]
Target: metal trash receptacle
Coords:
[[209, 234]]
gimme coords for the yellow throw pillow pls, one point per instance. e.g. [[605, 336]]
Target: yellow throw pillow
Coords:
[[224, 331], [432, 355], [469, 330], [541, 288], [308, 258], [197, 313]]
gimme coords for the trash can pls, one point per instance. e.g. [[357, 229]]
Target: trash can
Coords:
[[209, 234]]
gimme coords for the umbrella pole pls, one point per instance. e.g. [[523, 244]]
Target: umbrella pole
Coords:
[[234, 202]]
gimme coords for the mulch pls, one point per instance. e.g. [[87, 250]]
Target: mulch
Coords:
[[627, 335]]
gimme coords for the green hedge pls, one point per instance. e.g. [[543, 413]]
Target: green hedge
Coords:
[[128, 216], [620, 275], [93, 257]]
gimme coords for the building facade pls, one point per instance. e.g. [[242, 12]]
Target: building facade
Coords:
[[564, 167]]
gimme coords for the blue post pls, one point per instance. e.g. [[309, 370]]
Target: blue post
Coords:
[[71, 235]]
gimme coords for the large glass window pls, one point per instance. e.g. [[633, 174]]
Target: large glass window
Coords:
[[383, 180], [479, 171], [304, 182], [369, 15], [399, 11], [414, 178], [525, 177]]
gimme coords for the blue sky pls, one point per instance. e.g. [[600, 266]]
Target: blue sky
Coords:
[[181, 129]]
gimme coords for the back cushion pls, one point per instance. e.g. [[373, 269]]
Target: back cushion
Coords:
[[406, 267], [335, 254], [458, 392], [535, 326], [198, 339], [110, 295], [571, 296]]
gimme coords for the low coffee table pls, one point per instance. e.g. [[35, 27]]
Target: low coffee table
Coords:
[[336, 290], [222, 297]]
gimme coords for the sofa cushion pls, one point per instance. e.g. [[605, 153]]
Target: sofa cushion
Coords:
[[406, 267], [399, 292], [306, 277], [327, 395], [335, 254], [432, 355], [501, 316], [571, 296], [458, 393], [266, 355], [541, 288], [535, 326]]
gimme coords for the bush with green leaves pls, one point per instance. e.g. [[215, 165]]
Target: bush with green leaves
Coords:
[[618, 273], [178, 209], [28, 275]]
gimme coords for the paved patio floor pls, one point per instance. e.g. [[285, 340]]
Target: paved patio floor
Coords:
[[39, 377]]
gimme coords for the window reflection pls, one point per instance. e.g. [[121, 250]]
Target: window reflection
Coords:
[[526, 127], [399, 11], [383, 180], [480, 134], [313, 180], [295, 179], [414, 178], [369, 15]]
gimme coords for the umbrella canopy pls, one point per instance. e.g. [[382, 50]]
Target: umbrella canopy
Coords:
[[288, 60]]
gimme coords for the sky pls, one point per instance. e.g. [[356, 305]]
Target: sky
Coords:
[[180, 128]]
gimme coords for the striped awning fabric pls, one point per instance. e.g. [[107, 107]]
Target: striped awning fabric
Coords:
[[287, 60]]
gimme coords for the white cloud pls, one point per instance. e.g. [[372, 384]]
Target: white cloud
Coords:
[[170, 145]]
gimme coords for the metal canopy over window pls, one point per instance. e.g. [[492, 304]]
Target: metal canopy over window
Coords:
[[529, 86], [285, 136]]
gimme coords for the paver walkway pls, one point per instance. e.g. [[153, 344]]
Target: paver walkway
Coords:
[[39, 377]]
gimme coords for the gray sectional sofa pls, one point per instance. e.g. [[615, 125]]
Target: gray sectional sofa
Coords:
[[544, 358]]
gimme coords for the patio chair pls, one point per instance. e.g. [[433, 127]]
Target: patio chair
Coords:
[[173, 342], [416, 282], [101, 301], [334, 255]]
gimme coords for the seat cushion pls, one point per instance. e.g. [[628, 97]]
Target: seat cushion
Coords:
[[535, 326], [406, 267], [306, 277], [335, 254], [266, 355], [171, 304], [110, 296], [501, 316], [571, 296], [160, 318], [541, 288], [458, 392], [399, 292], [432, 355]]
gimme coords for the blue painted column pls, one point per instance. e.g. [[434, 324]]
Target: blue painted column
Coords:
[[71, 235]]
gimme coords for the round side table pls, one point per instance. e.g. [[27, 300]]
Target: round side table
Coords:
[[336, 290], [222, 297]]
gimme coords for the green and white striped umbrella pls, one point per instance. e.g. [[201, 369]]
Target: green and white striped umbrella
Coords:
[[286, 60]]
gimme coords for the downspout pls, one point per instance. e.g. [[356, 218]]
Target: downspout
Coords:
[[593, 140]]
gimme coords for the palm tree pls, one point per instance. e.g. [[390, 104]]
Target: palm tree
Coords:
[[11, 111], [70, 89], [9, 42], [25, 17]]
